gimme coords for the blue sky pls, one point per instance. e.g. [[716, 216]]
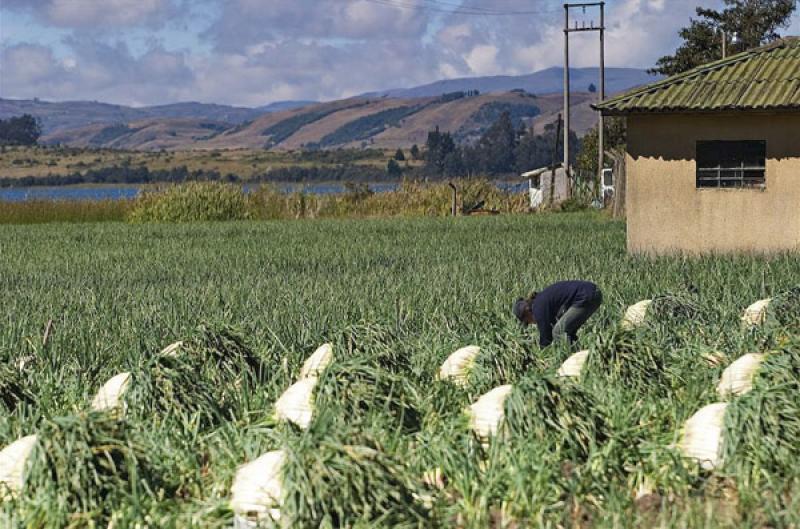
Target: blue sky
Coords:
[[252, 52]]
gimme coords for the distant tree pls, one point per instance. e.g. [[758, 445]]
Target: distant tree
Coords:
[[536, 150], [454, 164], [615, 137], [393, 169], [592, 88], [753, 22], [415, 154], [20, 130], [399, 156], [438, 146], [496, 146]]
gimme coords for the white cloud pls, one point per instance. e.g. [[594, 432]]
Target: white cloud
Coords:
[[264, 50], [482, 60], [98, 15]]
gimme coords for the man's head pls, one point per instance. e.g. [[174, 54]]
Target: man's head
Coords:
[[523, 311]]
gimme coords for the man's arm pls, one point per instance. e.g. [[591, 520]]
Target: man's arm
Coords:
[[545, 333]]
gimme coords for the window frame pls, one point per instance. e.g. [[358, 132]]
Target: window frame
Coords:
[[728, 174]]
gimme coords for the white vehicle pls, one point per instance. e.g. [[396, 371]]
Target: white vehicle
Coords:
[[607, 184]]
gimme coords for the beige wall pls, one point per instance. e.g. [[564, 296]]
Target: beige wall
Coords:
[[667, 214]]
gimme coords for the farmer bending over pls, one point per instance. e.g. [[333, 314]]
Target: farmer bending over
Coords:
[[559, 310]]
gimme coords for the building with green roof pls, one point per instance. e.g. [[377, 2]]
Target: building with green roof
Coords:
[[713, 155]]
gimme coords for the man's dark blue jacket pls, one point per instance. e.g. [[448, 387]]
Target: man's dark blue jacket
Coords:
[[551, 303]]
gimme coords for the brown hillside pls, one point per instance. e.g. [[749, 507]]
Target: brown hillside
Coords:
[[377, 122], [314, 132], [146, 135], [252, 135]]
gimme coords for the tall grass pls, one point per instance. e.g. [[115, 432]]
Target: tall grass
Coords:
[[42, 211], [217, 201], [394, 297]]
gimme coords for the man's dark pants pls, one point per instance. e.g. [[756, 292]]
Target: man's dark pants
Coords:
[[575, 316]]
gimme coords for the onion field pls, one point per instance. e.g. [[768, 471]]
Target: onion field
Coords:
[[238, 425]]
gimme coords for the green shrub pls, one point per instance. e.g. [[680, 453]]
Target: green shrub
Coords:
[[195, 201]]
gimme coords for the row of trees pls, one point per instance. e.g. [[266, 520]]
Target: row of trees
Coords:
[[501, 150], [20, 130]]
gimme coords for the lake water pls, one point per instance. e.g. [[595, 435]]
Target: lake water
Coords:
[[111, 192]]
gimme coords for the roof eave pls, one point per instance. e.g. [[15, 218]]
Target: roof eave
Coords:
[[728, 110]]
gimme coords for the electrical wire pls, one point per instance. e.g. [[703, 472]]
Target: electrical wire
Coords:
[[439, 6]]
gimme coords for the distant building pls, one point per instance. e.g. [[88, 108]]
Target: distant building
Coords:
[[542, 193], [713, 156]]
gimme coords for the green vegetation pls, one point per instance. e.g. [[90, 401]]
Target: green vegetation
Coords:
[[20, 130], [745, 25], [61, 165], [216, 201], [489, 113], [191, 202], [501, 150], [42, 211], [251, 300]]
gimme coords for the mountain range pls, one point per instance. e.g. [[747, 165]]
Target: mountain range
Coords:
[[548, 81], [392, 118]]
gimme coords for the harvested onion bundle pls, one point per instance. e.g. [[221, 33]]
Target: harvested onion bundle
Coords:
[[358, 391], [702, 435], [635, 314], [109, 397], [573, 366], [13, 461], [565, 416], [737, 379], [204, 377], [487, 413], [257, 490], [347, 481], [634, 364], [84, 464], [762, 427], [458, 366]]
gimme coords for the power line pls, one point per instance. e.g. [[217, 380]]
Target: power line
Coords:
[[453, 9]]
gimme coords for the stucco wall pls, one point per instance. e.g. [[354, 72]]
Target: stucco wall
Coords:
[[667, 214]]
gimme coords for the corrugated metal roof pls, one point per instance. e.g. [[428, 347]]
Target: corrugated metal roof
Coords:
[[766, 78]]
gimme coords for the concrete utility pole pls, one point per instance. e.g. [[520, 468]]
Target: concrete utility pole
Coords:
[[602, 93], [724, 44]]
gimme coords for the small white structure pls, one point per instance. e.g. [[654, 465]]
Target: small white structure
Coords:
[[539, 185]]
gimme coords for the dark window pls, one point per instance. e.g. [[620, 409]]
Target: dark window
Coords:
[[731, 163]]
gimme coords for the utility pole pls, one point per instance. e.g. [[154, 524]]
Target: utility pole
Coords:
[[724, 44], [602, 94]]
